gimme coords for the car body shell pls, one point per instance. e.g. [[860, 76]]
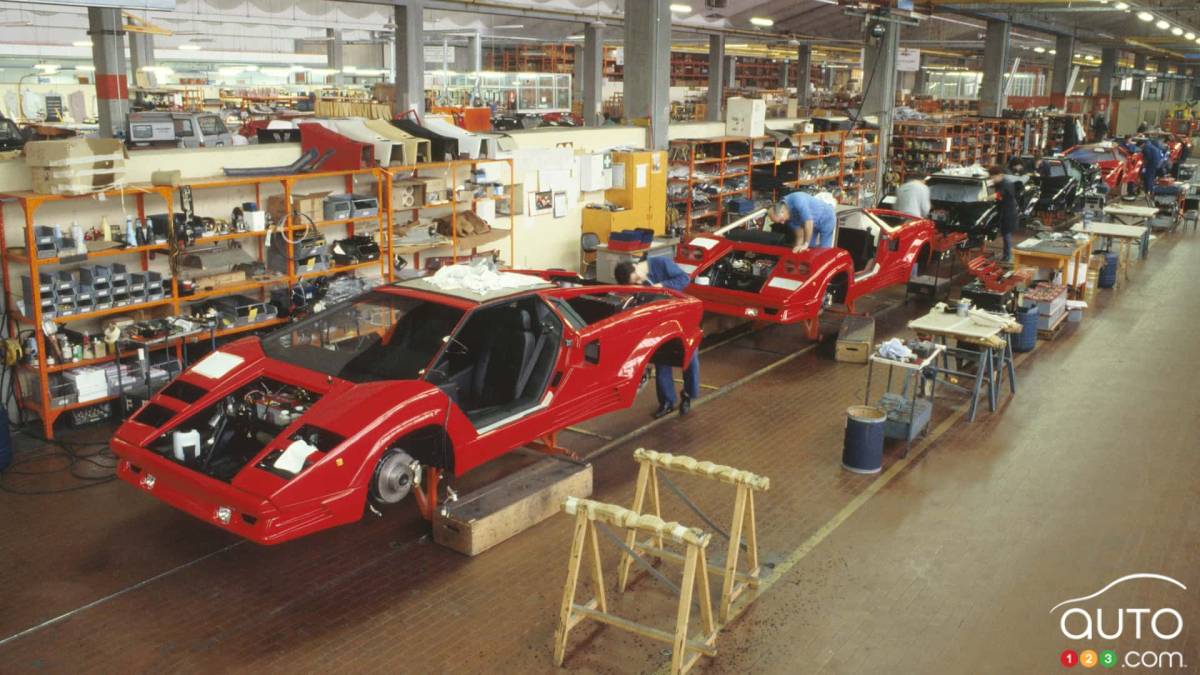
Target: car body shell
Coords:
[[598, 369], [796, 289], [1119, 169]]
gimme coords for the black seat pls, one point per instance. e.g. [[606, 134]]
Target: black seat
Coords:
[[860, 244], [502, 358], [763, 237]]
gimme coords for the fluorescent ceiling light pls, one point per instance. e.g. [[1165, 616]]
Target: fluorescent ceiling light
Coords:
[[189, 47], [1040, 50], [1189, 35], [249, 68], [1145, 16], [574, 37], [81, 43], [47, 67], [681, 9], [1052, 51], [1162, 23], [350, 69], [323, 71], [1122, 5], [1176, 30], [86, 69], [762, 21]]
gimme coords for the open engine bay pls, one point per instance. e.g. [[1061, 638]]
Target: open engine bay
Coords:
[[221, 439], [740, 271]]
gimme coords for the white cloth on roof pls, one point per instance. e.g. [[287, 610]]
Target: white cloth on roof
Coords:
[[480, 279]]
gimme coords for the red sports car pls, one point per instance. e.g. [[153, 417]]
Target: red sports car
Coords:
[[752, 273], [1175, 144], [279, 437], [1119, 169]]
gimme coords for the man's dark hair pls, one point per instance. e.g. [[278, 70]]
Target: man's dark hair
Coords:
[[996, 171], [623, 271]]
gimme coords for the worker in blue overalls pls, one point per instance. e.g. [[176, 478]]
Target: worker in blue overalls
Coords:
[[809, 218], [1152, 159], [663, 272]]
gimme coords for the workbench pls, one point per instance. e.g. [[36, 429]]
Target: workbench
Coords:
[[1129, 214], [1056, 254], [1125, 234], [914, 370], [989, 335]]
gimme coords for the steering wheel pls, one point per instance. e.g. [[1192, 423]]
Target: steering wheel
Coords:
[[629, 302]]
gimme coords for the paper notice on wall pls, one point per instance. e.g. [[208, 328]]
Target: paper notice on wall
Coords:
[[641, 176], [908, 60], [618, 176], [486, 209]]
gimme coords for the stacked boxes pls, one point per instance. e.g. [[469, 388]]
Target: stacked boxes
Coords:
[[91, 288], [1051, 303]]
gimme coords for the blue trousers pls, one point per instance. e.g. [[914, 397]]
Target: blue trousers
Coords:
[[821, 238], [1149, 176], [1007, 236], [664, 381]]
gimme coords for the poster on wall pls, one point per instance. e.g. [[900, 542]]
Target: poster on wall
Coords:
[[541, 203], [908, 60], [560, 205]]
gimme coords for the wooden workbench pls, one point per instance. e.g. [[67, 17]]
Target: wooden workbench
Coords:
[[1056, 254], [1125, 234], [992, 340]]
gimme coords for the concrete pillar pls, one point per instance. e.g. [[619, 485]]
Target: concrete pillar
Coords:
[[1182, 87], [141, 55], [335, 53], [716, 77], [1108, 71], [919, 78], [1164, 82], [474, 53], [593, 74], [647, 86], [731, 72], [1140, 62], [1064, 46], [803, 74], [112, 82], [995, 67], [1195, 84], [577, 74], [784, 66], [879, 84], [410, 57]]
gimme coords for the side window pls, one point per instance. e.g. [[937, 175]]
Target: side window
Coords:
[[568, 313], [183, 128], [210, 125]]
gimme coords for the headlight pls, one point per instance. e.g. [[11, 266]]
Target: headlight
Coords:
[[223, 514]]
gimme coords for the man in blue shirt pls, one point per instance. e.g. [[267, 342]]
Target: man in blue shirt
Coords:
[[1152, 158], [661, 271], [810, 219]]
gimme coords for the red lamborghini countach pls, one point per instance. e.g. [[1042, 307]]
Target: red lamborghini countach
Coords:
[[278, 437], [752, 273]]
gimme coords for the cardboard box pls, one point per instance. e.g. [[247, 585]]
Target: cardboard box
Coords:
[[311, 205], [76, 165], [745, 116], [855, 339]]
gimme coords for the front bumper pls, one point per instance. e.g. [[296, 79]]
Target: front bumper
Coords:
[[220, 504]]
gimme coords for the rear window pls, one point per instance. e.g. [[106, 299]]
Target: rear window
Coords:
[[184, 391], [210, 125]]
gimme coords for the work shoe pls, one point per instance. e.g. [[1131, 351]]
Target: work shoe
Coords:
[[663, 410], [685, 405]]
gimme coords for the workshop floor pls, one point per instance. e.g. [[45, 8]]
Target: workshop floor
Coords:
[[949, 561]]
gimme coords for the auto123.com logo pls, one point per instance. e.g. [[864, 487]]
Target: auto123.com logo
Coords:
[[1094, 628]]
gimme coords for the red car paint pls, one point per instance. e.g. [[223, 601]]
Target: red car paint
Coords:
[[598, 369], [797, 286], [1120, 169]]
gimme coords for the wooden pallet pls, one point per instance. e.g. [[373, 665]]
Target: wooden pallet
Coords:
[[1054, 331]]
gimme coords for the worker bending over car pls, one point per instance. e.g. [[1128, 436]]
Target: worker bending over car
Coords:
[[662, 272], [809, 218]]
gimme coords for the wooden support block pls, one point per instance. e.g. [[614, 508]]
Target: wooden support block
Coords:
[[513, 504]]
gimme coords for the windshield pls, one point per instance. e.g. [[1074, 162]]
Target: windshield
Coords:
[[1093, 155], [957, 191], [377, 336]]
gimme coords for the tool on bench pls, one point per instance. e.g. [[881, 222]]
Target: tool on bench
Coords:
[[994, 276]]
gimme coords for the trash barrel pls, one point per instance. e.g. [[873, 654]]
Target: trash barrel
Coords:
[[1108, 273], [1027, 338], [862, 450], [5, 443]]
